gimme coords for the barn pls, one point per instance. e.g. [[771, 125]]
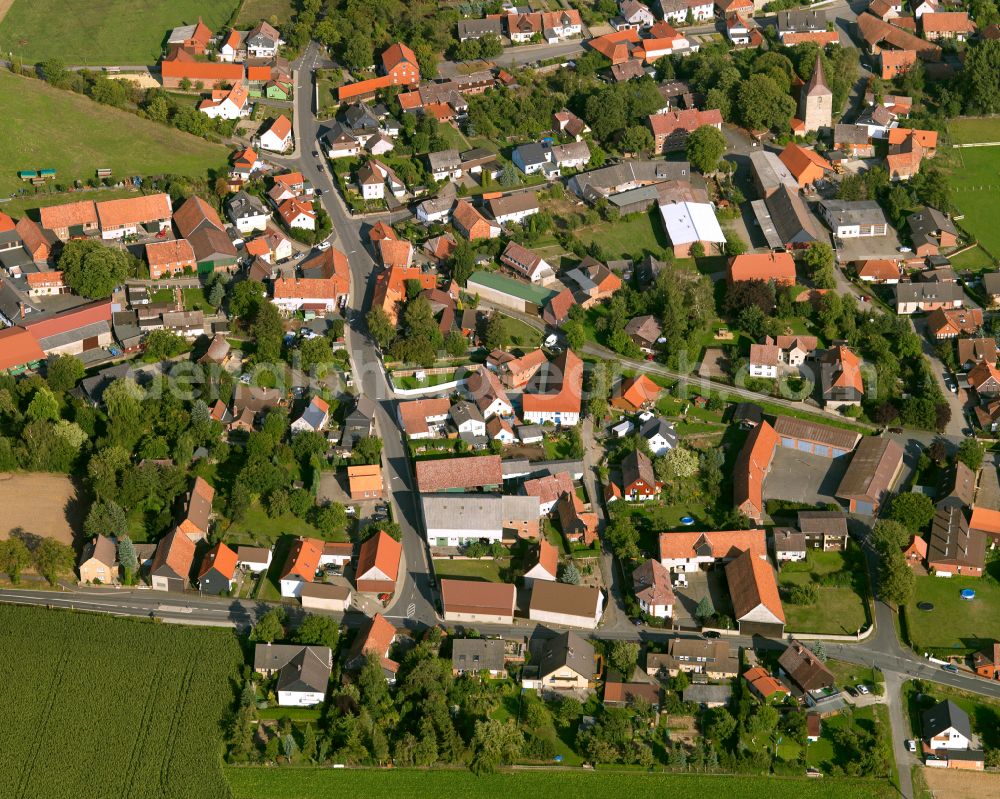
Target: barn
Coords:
[[873, 471], [473, 601], [568, 605], [814, 438], [325, 596]]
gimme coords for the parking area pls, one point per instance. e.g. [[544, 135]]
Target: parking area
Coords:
[[864, 248], [700, 584], [799, 477]]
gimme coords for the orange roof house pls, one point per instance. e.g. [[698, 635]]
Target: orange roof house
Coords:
[[376, 640], [840, 376], [878, 270], [217, 570], [300, 565], [615, 46], [170, 257], [896, 62], [986, 520], [33, 239], [365, 482], [390, 287], [637, 393], [380, 230], [181, 65], [947, 25], [76, 219], [558, 396], [6, 223], [472, 224], [395, 253], [378, 564], [199, 510], [822, 38], [916, 551], [18, 348], [684, 549], [776, 266], [400, 68], [762, 684], [752, 466], [907, 149], [133, 212], [754, 591], [925, 138], [806, 166]]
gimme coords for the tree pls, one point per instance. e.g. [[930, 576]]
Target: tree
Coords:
[[54, 71], [637, 139], [734, 243], [315, 352], [623, 537], [14, 558], [244, 299], [367, 451], [381, 327], [64, 372], [456, 344], [818, 255], [43, 406], [971, 452], [569, 574], [679, 463], [105, 518], [318, 631], [913, 511], [623, 657], [127, 557], [163, 344], [217, 293], [494, 744], [92, 270], [889, 535], [705, 609], [981, 77], [896, 579], [705, 146], [268, 333], [53, 558], [575, 332], [269, 627], [496, 332], [762, 105]]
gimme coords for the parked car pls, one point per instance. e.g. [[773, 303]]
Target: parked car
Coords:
[[862, 689], [711, 634], [851, 690], [323, 245], [911, 745]]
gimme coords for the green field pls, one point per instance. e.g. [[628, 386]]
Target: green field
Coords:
[[313, 783], [975, 181], [974, 129], [974, 260], [98, 706], [839, 610], [75, 136], [633, 238], [487, 571], [103, 32], [253, 11], [954, 623]]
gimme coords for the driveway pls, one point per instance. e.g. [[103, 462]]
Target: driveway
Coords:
[[958, 401]]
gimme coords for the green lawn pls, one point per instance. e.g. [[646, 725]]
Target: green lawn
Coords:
[[984, 714], [975, 180], [974, 260], [258, 527], [75, 136], [824, 753], [487, 571], [633, 238], [954, 623], [850, 673], [453, 136], [195, 299], [521, 334], [839, 610], [312, 783], [102, 32], [254, 11], [410, 381], [974, 129]]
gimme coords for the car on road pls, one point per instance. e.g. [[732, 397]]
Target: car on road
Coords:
[[862, 689], [950, 667], [911, 745], [711, 634], [316, 153]]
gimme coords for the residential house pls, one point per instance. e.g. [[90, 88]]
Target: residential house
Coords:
[[915, 553], [171, 566], [315, 417], [232, 103], [632, 15], [375, 640], [943, 325], [796, 349], [841, 381], [195, 524], [134, 216], [716, 659], [544, 565], [364, 482], [326, 596], [169, 258], [775, 266], [232, 48], [276, 136], [303, 671], [929, 296], [399, 68], [297, 214], [653, 592], [254, 559], [425, 418], [99, 561], [879, 270], [973, 350], [195, 38], [677, 11], [555, 393], [644, 331], [378, 565], [639, 483], [471, 224], [577, 524], [217, 574], [548, 488], [573, 155], [247, 212], [478, 656], [635, 394], [563, 664], [804, 669], [907, 149], [671, 129], [567, 122], [826, 530], [984, 378], [953, 548], [445, 165], [199, 223], [262, 42], [788, 545], [535, 157], [625, 694], [947, 25], [322, 286], [478, 602], [659, 434], [931, 231], [805, 165], [300, 566], [754, 591], [986, 663], [516, 372], [478, 28], [853, 140], [946, 726], [764, 359], [564, 604], [514, 207], [685, 551], [526, 264], [764, 686]]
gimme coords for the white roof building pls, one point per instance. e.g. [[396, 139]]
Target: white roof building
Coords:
[[688, 222]]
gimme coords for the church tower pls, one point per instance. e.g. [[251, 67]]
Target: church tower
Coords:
[[816, 100]]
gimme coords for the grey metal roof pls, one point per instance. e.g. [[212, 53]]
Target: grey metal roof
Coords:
[[934, 291], [465, 411], [444, 159], [792, 220], [309, 670], [858, 212], [77, 334], [766, 224], [463, 511], [532, 153], [707, 693], [313, 416], [657, 425], [242, 204]]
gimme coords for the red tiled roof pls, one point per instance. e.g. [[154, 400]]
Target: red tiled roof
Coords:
[[800, 159], [303, 559], [689, 119], [6, 223], [222, 559], [161, 253], [722, 543], [281, 127], [381, 552], [181, 65], [54, 217], [99, 311], [752, 584], [879, 269], [414, 413], [778, 266], [192, 212], [397, 53], [459, 473], [175, 550], [639, 390], [985, 519], [133, 210], [822, 38], [568, 368], [947, 22], [395, 252], [17, 348]]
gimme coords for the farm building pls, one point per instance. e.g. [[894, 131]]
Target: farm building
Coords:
[[473, 601], [873, 471], [814, 438]]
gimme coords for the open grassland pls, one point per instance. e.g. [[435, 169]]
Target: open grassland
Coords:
[[102, 32], [974, 129], [312, 783], [97, 706], [72, 134], [40, 504], [975, 181], [253, 11], [954, 623]]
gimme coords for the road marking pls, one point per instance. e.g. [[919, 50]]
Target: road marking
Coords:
[[410, 610]]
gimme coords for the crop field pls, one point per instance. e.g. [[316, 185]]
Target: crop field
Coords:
[[103, 707], [39, 136], [966, 784], [102, 32], [314, 783], [40, 504]]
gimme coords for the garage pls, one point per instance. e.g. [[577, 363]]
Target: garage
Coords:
[[788, 443], [822, 450], [805, 446], [815, 438], [90, 343], [837, 453]]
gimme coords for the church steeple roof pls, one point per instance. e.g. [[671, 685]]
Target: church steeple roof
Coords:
[[817, 81]]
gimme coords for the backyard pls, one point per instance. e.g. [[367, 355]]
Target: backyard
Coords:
[[840, 608], [634, 237], [37, 137], [104, 32], [253, 11], [954, 623], [487, 571], [984, 715], [520, 334]]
